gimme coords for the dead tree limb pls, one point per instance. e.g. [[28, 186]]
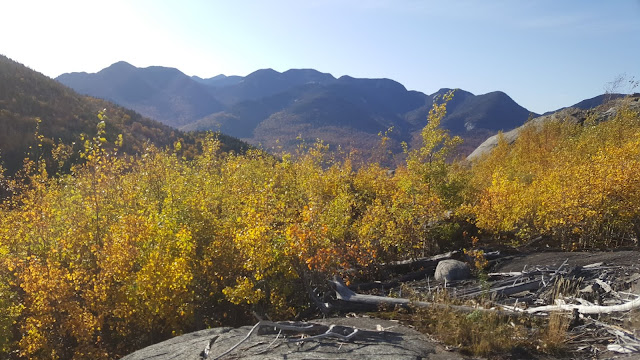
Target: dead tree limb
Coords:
[[421, 274], [587, 309], [345, 294], [298, 328], [324, 307], [328, 333], [406, 266], [625, 340]]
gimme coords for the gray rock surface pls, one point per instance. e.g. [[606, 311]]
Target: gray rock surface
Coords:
[[395, 342], [451, 270], [602, 113], [569, 114]]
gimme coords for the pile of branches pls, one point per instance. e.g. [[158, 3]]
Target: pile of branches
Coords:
[[596, 297]]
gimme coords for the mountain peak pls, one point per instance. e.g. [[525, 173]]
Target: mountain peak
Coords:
[[457, 92], [263, 72], [378, 83], [122, 63], [163, 93], [119, 66], [307, 76], [218, 80]]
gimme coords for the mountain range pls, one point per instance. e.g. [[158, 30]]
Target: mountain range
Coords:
[[276, 110], [279, 109]]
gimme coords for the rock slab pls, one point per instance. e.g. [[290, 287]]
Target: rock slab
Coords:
[[393, 342]]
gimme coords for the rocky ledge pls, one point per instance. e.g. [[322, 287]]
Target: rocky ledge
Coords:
[[601, 113], [374, 339]]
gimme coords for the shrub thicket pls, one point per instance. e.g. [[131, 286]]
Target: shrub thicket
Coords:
[[576, 184], [120, 252]]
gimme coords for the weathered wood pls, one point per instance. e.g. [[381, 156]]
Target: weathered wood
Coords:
[[506, 274], [329, 333], [405, 266], [416, 275], [281, 326], [587, 309], [345, 294], [625, 340], [325, 308]]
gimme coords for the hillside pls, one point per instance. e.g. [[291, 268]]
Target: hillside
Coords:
[[590, 103], [26, 95], [277, 109], [600, 108]]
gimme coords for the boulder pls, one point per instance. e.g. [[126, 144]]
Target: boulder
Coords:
[[451, 270]]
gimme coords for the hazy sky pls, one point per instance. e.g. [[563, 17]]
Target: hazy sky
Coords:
[[544, 54]]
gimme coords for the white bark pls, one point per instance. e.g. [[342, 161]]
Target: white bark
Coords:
[[587, 309], [345, 294]]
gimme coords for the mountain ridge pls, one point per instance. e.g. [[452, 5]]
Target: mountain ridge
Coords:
[[265, 106], [162, 93]]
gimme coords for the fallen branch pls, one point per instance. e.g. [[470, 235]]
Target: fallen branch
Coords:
[[345, 294], [325, 308], [328, 333], [405, 266], [587, 309], [626, 342], [504, 274], [553, 276], [317, 331], [260, 324], [421, 274]]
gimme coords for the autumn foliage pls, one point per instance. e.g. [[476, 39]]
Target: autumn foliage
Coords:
[[120, 252], [575, 184]]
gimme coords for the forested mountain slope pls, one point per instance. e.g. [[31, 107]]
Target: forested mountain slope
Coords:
[[26, 95]]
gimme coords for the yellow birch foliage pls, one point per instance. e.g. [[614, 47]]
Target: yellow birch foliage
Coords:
[[575, 183], [124, 251]]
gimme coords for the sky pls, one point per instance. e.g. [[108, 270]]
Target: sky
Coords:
[[545, 54]]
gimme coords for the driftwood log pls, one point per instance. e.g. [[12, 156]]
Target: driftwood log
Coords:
[[406, 266], [587, 309], [345, 294]]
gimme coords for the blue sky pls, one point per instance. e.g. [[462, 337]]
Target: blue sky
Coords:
[[544, 54]]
